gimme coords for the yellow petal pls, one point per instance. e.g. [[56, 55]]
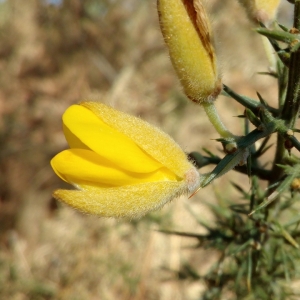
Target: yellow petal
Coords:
[[155, 142], [83, 127], [73, 140], [122, 202], [86, 168]]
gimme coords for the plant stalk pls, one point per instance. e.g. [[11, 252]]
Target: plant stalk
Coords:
[[291, 106], [215, 120]]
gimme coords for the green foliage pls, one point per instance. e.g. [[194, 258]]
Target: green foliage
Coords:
[[257, 240]]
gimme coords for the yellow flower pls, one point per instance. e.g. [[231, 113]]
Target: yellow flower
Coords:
[[186, 30], [261, 10], [122, 166]]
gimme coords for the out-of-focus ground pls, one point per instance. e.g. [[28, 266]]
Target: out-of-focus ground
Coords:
[[52, 56]]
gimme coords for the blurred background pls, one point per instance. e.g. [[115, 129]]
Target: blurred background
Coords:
[[56, 53]]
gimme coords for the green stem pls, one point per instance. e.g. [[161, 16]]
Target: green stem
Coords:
[[291, 107], [277, 172], [214, 118], [295, 142]]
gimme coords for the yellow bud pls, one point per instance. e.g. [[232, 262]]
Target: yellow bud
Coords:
[[186, 30], [295, 185], [261, 10]]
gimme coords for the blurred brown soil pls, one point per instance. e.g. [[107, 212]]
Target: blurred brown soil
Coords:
[[54, 56]]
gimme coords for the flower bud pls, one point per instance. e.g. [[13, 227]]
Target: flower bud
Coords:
[[295, 185], [186, 30], [261, 10]]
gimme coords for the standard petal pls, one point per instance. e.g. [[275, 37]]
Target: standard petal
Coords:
[[84, 127], [154, 141], [73, 140], [122, 202], [83, 167]]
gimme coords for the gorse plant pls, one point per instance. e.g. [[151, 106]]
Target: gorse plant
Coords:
[[124, 167], [257, 239]]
